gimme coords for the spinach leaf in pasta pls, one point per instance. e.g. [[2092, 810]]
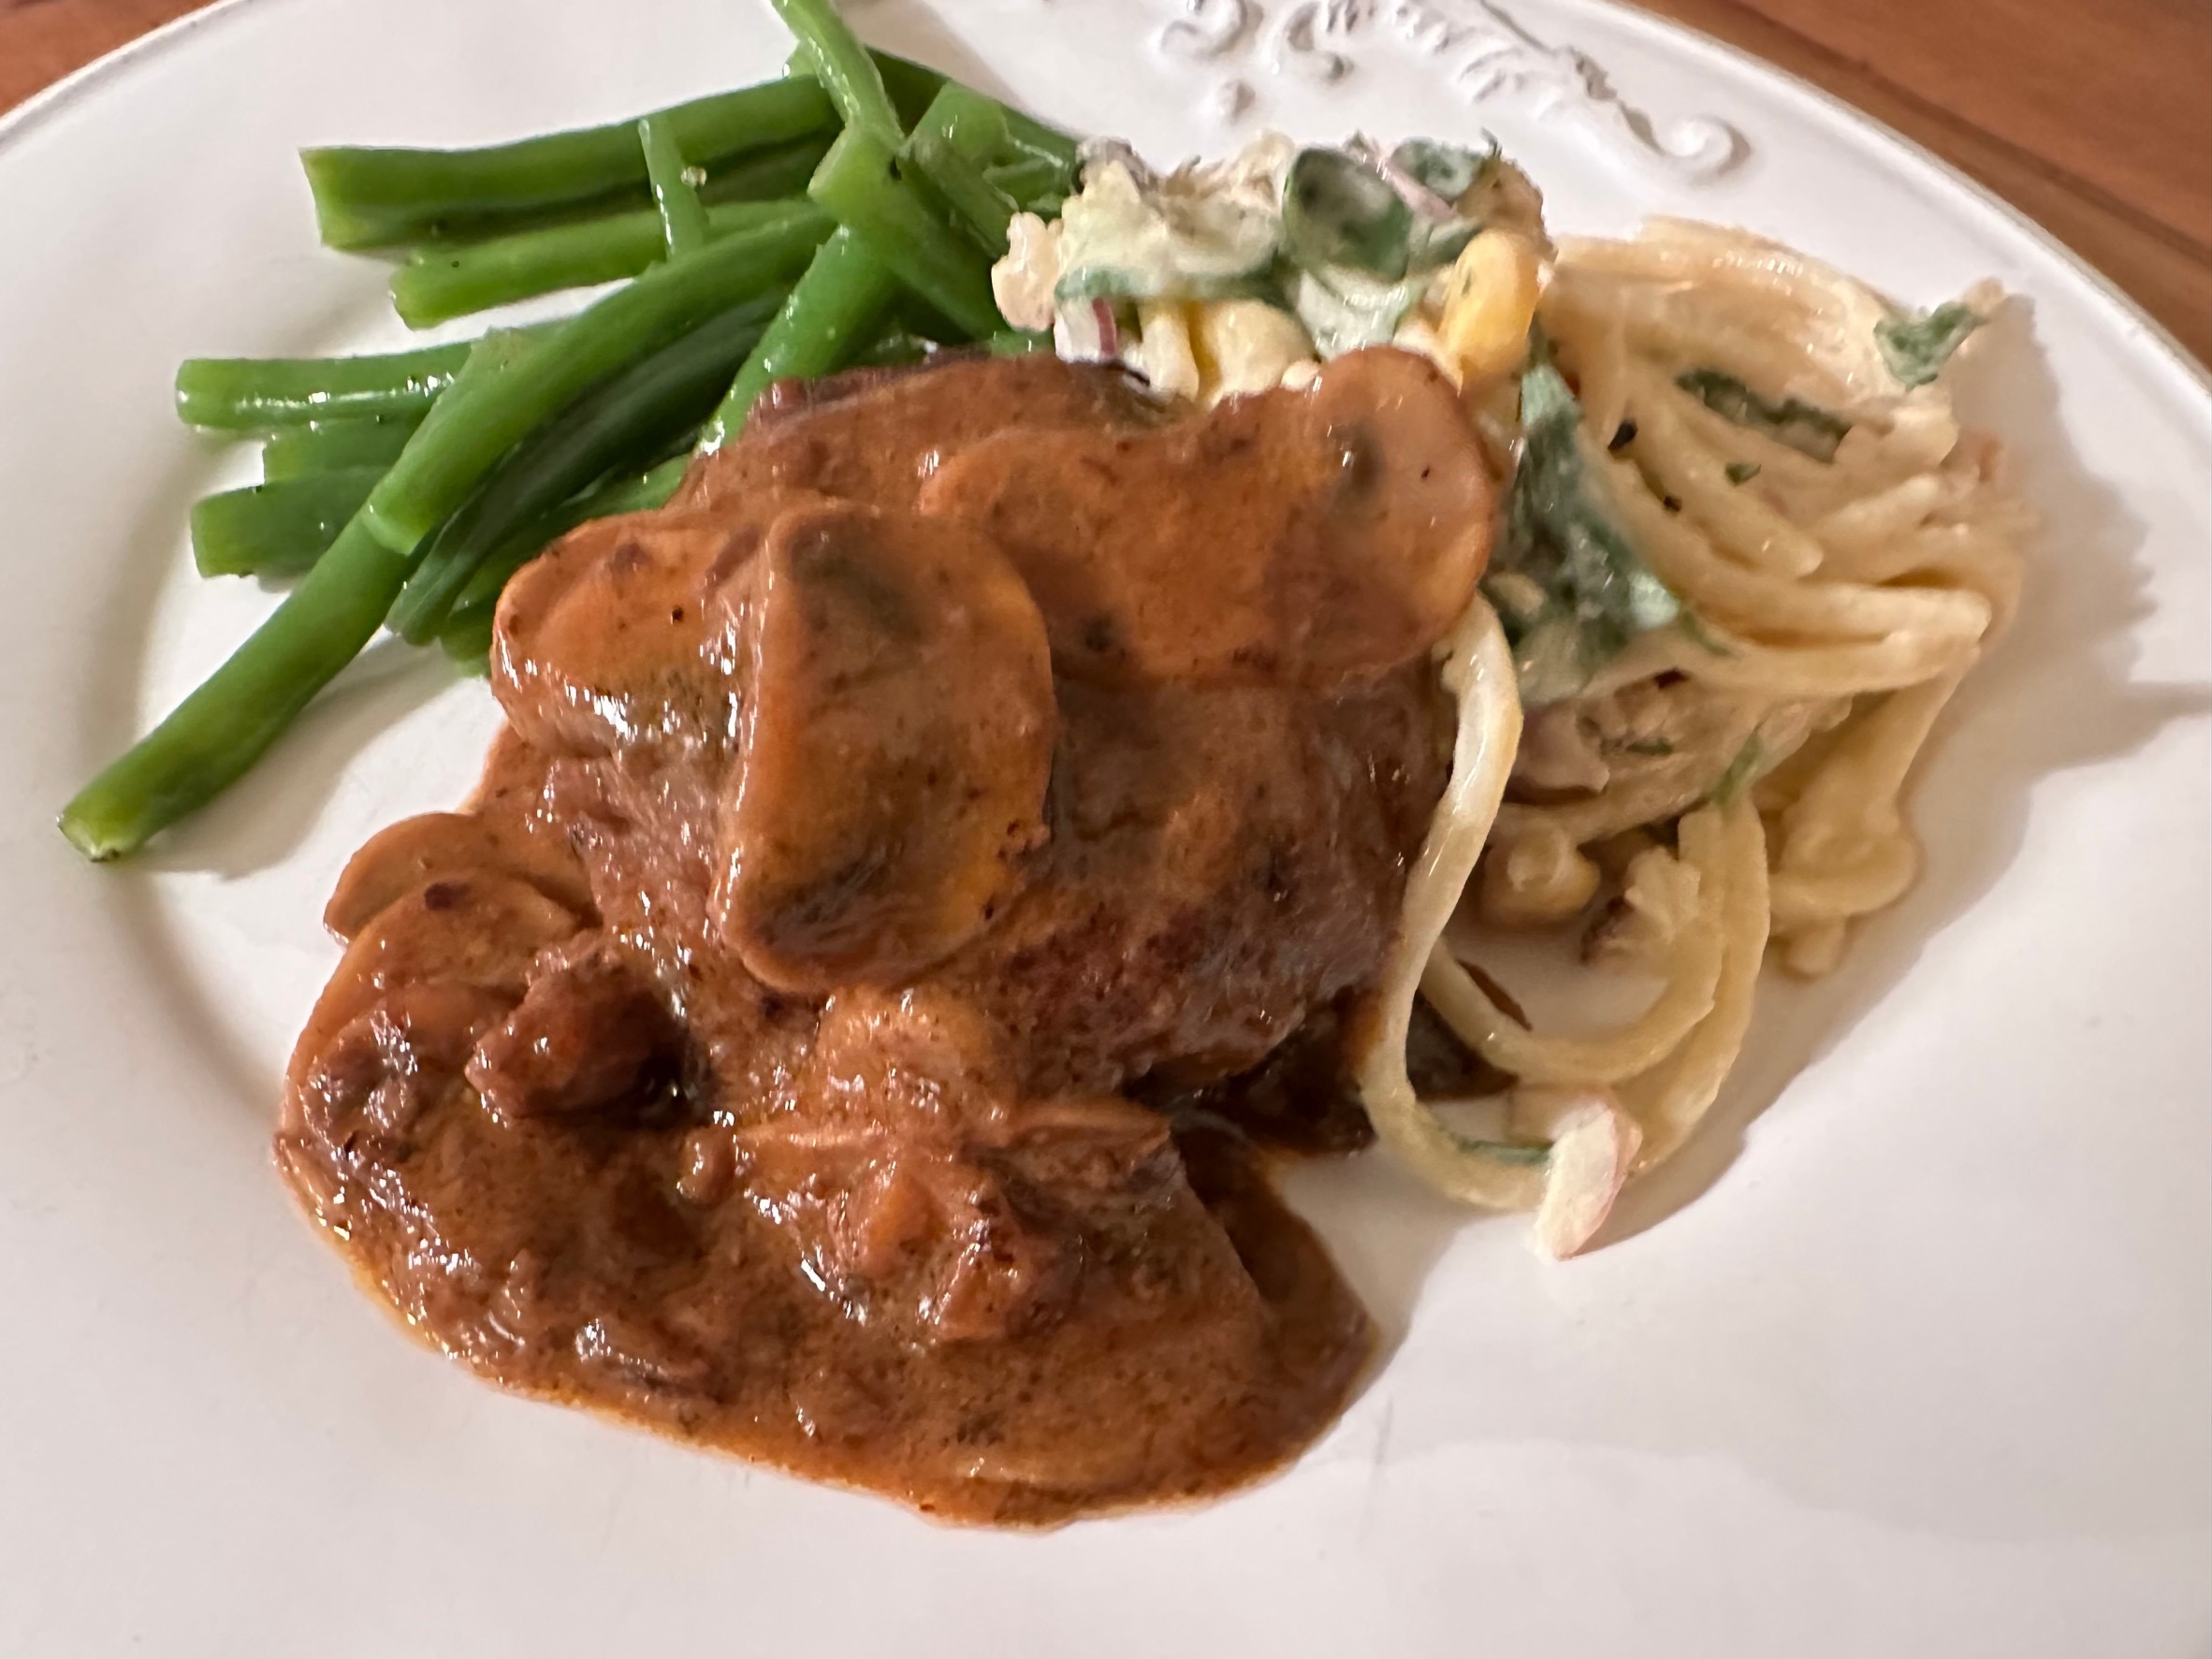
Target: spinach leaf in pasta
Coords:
[[1347, 218], [1339, 212], [1916, 347], [1806, 428], [1740, 773], [1448, 171], [1570, 587]]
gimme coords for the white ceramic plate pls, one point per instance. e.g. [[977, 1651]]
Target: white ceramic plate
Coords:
[[1925, 1369]]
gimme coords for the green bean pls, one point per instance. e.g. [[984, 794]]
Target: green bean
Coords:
[[894, 347], [1030, 181], [480, 423], [638, 492], [1019, 180], [860, 184], [767, 175], [828, 315], [250, 537], [843, 67], [976, 126], [945, 153], [277, 529], [844, 295], [217, 733], [467, 640], [213, 737], [438, 284], [247, 394], [443, 281], [367, 197], [1020, 342], [1047, 144], [647, 406], [912, 85], [917, 317], [1024, 133], [328, 445], [676, 197], [955, 146], [983, 210]]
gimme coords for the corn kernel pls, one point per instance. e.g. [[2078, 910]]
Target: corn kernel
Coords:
[[1488, 304], [1244, 345], [1163, 352]]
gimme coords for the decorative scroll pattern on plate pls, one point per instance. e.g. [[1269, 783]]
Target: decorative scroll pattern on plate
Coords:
[[1478, 48]]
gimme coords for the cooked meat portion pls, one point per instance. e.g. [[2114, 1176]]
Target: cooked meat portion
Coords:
[[756, 1057], [1304, 1096], [1313, 537], [1220, 862], [927, 1196], [878, 439], [893, 751], [588, 1035]]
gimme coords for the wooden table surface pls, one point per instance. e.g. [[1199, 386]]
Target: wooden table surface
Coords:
[[2094, 119]]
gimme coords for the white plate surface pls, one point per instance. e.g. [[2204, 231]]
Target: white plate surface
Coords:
[[1926, 1369]]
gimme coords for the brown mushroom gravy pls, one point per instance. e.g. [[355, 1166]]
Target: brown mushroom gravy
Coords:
[[922, 865]]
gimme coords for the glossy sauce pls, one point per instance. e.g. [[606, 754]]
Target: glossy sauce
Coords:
[[764, 1053]]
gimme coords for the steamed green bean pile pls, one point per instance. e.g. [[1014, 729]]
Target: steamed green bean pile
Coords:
[[848, 212]]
